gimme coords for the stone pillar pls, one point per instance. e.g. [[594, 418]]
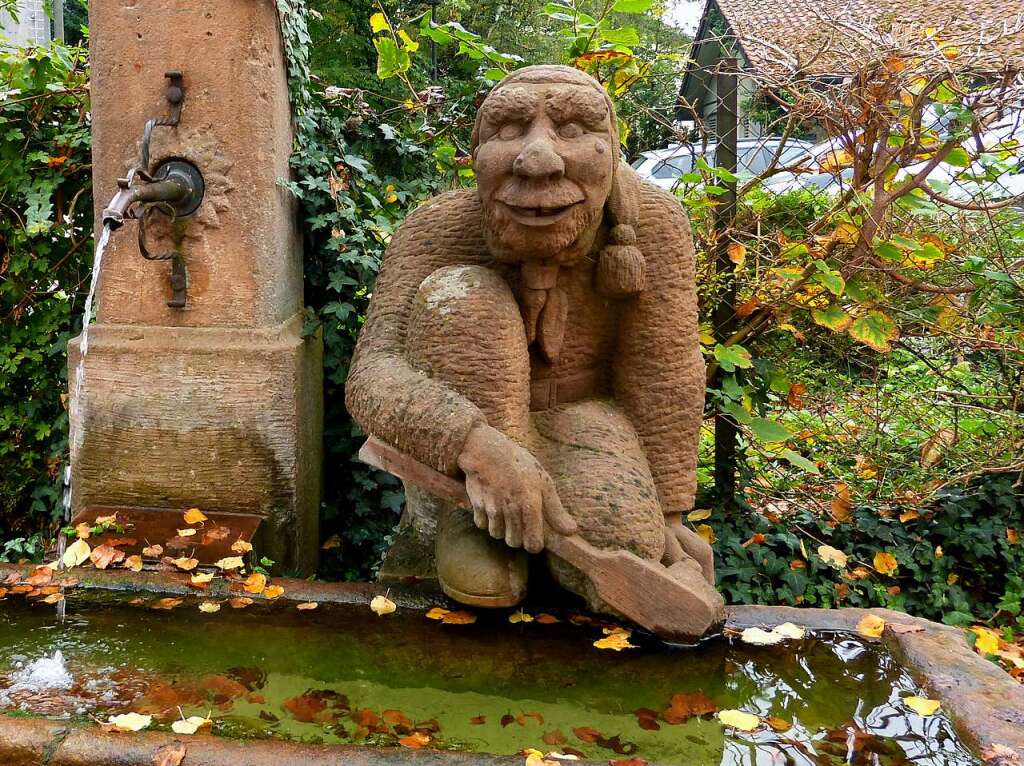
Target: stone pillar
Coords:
[[219, 404]]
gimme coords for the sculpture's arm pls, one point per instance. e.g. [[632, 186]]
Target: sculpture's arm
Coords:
[[659, 370], [386, 395]]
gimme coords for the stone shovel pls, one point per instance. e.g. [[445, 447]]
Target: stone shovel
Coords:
[[675, 603]]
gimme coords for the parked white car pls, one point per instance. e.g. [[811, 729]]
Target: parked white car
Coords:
[[665, 167]]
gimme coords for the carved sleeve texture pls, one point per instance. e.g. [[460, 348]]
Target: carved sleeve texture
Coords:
[[659, 370], [385, 394]]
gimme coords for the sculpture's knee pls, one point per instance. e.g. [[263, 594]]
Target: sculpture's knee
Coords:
[[465, 329]]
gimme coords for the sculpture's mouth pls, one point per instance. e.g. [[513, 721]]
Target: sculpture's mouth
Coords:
[[538, 216]]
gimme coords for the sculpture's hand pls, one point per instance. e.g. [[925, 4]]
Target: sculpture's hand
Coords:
[[513, 496], [682, 543]]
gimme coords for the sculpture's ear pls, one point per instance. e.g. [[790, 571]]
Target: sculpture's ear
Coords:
[[621, 267]]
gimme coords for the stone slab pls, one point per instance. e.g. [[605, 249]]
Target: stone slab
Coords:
[[225, 419]]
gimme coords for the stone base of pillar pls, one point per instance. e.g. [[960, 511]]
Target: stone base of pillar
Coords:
[[224, 419]]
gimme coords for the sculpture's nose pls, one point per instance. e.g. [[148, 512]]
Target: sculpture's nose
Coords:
[[538, 159]]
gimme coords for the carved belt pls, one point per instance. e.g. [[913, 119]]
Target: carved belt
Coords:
[[550, 392]]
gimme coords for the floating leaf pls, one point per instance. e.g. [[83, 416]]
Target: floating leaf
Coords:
[[437, 613], [789, 630], [201, 578], [683, 707], [416, 740], [871, 626], [382, 605], [461, 617], [231, 562], [760, 637], [186, 532], [255, 583], [185, 564], [194, 516], [53, 598], [778, 724], [167, 603], [273, 591], [922, 705], [209, 607], [478, 720], [240, 602], [130, 722], [241, 546], [616, 640], [76, 554], [546, 619], [307, 606], [520, 616], [737, 719]]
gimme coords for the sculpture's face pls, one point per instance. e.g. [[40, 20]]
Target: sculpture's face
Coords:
[[544, 163]]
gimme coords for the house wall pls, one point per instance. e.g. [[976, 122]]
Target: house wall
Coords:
[[32, 26]]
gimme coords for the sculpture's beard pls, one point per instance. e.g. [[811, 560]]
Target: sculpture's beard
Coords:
[[526, 220]]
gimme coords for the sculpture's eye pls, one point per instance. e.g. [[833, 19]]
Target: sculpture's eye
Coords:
[[570, 130], [510, 130]]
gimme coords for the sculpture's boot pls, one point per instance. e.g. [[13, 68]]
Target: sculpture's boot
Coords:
[[475, 569]]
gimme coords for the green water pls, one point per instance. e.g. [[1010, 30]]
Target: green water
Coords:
[[258, 669]]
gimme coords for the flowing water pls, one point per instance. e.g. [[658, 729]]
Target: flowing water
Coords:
[[75, 398], [344, 675]]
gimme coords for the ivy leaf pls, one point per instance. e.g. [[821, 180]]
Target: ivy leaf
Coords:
[[876, 330], [768, 431], [731, 357], [834, 318]]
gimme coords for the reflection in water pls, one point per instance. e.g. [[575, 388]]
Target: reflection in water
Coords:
[[343, 675]]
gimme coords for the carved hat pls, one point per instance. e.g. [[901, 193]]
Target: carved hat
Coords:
[[621, 269]]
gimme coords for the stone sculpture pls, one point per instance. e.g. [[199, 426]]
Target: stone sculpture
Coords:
[[538, 336]]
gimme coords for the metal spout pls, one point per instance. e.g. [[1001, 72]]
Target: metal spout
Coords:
[[177, 186]]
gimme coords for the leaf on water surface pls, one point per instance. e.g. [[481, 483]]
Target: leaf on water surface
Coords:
[[231, 562], [128, 722], [615, 639], [153, 551], [738, 719], [190, 725], [40, 576], [922, 705], [53, 598], [255, 583], [587, 734], [546, 619], [209, 607], [683, 707], [170, 755], [240, 602], [104, 555], [201, 578], [185, 564], [186, 532], [761, 637], [306, 606], [273, 591], [76, 553], [478, 720], [789, 630], [778, 724], [382, 605], [167, 603], [507, 719], [647, 719], [553, 737], [458, 618], [416, 740], [871, 626], [194, 516], [133, 563], [520, 616]]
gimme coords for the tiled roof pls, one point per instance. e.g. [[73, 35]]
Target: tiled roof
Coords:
[[821, 34]]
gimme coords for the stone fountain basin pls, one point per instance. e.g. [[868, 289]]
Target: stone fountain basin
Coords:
[[982, 703]]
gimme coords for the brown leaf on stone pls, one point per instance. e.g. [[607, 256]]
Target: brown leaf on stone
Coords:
[[683, 707], [153, 551], [118, 541], [587, 734], [134, 563], [240, 602], [900, 629], [554, 737], [104, 555], [170, 755], [17, 589], [478, 720], [647, 719], [214, 534]]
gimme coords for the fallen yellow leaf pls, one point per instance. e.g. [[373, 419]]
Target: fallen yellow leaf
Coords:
[[208, 607], [231, 562], [240, 602], [134, 563], [832, 556], [83, 531], [53, 598], [789, 630], [167, 603], [616, 639], [382, 605], [194, 516], [459, 618], [520, 616], [437, 613], [987, 641], [706, 533], [186, 564], [186, 532], [241, 546], [130, 721], [885, 563], [153, 551], [105, 521], [737, 719], [698, 515], [273, 591], [306, 606], [871, 626], [255, 583], [190, 725], [201, 578], [76, 553], [922, 705]]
